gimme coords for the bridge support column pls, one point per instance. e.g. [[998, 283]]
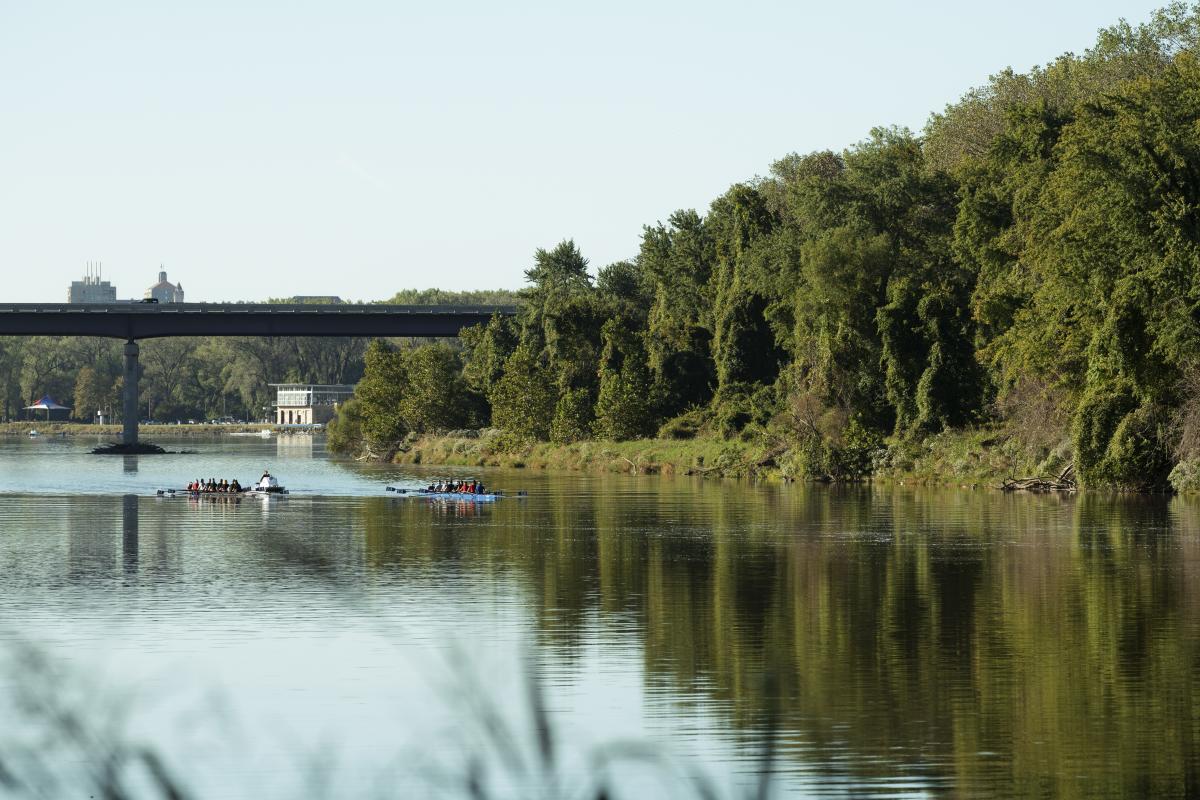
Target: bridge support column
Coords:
[[129, 435]]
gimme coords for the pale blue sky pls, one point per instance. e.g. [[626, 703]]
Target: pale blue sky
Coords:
[[356, 148]]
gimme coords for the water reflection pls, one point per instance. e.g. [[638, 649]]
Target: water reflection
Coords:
[[917, 641], [972, 642], [294, 445], [129, 533], [129, 463]]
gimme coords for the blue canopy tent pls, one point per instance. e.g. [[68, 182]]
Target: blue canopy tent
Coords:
[[47, 403]]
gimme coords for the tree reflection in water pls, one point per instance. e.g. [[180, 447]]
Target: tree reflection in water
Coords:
[[968, 641]]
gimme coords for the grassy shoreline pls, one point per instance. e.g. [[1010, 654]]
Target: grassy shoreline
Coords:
[[641, 457], [969, 459], [114, 431]]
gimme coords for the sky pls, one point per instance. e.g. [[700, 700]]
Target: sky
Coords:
[[357, 148]]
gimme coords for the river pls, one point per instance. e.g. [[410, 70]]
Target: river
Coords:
[[344, 642]]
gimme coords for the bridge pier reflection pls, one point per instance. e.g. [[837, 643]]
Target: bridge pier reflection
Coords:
[[129, 433], [129, 533]]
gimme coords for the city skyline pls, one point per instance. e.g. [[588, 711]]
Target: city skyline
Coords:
[[92, 287]]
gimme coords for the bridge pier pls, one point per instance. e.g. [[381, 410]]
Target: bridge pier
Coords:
[[129, 433]]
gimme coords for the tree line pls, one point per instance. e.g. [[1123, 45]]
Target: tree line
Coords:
[[1029, 261]]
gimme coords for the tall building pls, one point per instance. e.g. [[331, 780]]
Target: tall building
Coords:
[[92, 289], [164, 291]]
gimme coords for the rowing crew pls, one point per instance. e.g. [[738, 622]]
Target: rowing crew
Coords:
[[266, 483], [214, 486], [456, 487]]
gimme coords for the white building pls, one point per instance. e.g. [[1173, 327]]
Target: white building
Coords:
[[308, 403]]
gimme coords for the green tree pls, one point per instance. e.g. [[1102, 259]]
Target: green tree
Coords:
[[380, 394], [623, 408], [434, 396], [94, 391], [677, 261], [524, 399], [574, 414], [485, 350]]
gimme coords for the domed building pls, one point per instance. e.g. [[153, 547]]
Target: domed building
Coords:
[[164, 291]]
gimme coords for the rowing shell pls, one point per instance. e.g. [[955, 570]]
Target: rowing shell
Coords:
[[221, 495], [488, 497]]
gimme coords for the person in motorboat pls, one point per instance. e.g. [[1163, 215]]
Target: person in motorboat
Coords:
[[268, 484], [235, 487]]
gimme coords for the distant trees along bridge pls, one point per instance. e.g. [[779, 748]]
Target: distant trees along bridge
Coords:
[[134, 321]]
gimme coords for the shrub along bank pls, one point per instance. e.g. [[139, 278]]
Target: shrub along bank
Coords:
[[1018, 285]]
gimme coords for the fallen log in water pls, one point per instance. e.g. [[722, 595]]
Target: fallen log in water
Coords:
[[1065, 482]]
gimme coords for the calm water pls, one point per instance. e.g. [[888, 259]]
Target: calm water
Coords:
[[902, 642]]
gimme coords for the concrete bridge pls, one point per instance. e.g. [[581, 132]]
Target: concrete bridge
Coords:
[[134, 321]]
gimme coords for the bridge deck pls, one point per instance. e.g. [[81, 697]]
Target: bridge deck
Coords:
[[150, 320]]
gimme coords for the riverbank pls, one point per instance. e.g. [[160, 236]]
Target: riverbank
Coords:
[[972, 458], [114, 431], [705, 457]]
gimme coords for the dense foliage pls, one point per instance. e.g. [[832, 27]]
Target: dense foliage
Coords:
[[182, 378], [1032, 262]]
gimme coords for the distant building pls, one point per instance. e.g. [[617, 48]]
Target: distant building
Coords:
[[164, 291], [315, 299], [308, 403], [92, 289]]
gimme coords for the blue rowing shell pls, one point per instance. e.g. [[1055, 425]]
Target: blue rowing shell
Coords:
[[475, 498]]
